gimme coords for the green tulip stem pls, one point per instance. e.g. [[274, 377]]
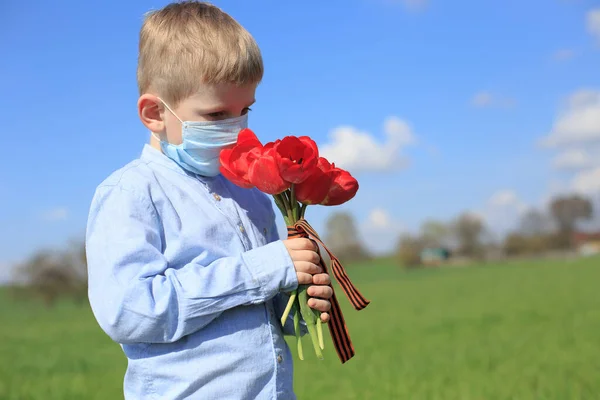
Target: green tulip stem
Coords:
[[285, 196], [288, 307], [309, 318], [287, 209], [294, 203], [303, 210], [320, 329], [280, 204], [297, 330], [290, 207]]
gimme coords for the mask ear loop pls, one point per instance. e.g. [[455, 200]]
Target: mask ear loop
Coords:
[[172, 112], [169, 108]]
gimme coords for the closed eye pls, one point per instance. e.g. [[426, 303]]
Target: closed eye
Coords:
[[223, 114], [217, 114]]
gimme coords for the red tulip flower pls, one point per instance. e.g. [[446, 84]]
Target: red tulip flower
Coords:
[[297, 158]]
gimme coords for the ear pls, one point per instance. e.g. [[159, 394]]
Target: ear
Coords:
[[151, 111]]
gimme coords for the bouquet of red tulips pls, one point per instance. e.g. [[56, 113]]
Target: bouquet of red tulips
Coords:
[[292, 172]]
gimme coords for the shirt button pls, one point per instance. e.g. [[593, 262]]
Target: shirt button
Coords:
[[279, 359], [242, 228], [217, 197]]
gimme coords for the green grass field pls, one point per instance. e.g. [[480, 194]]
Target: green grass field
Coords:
[[515, 331]]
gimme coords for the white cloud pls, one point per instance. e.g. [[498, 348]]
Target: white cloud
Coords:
[[583, 98], [593, 22], [379, 219], [56, 214], [486, 99], [482, 99], [357, 150], [563, 55], [578, 123], [381, 231], [587, 182], [573, 159], [503, 210], [507, 198], [503, 198]]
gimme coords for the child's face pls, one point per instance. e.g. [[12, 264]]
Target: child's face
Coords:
[[211, 103]]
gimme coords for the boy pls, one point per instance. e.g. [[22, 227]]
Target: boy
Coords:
[[186, 270]]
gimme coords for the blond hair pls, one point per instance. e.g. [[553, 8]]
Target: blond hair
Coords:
[[190, 43]]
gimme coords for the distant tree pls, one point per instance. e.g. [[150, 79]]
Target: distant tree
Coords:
[[535, 223], [567, 210], [51, 275], [435, 233], [516, 244], [409, 251], [513, 244], [343, 238], [468, 229]]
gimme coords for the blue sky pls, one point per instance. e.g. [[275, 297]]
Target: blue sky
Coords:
[[471, 88]]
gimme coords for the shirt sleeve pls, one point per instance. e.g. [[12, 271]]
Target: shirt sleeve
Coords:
[[135, 295]]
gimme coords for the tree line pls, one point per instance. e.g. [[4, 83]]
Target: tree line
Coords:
[[538, 231]]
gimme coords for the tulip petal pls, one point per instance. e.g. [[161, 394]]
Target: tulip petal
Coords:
[[296, 158], [264, 174], [343, 188], [248, 137]]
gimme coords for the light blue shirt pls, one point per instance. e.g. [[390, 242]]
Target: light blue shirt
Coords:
[[187, 273]]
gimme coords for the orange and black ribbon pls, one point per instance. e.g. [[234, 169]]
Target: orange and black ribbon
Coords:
[[337, 324]]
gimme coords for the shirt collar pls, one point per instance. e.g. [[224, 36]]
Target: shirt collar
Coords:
[[153, 155]]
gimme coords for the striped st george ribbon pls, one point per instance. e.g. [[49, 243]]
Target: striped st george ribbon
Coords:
[[337, 324]]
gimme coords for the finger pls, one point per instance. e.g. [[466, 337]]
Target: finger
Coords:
[[306, 255], [314, 257], [321, 279], [320, 305], [325, 317], [307, 267], [304, 278], [302, 244], [323, 292]]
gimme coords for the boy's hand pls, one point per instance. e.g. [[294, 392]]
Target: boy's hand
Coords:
[[320, 295], [305, 257], [306, 262]]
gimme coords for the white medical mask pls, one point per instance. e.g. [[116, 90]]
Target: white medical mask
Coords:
[[202, 142]]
